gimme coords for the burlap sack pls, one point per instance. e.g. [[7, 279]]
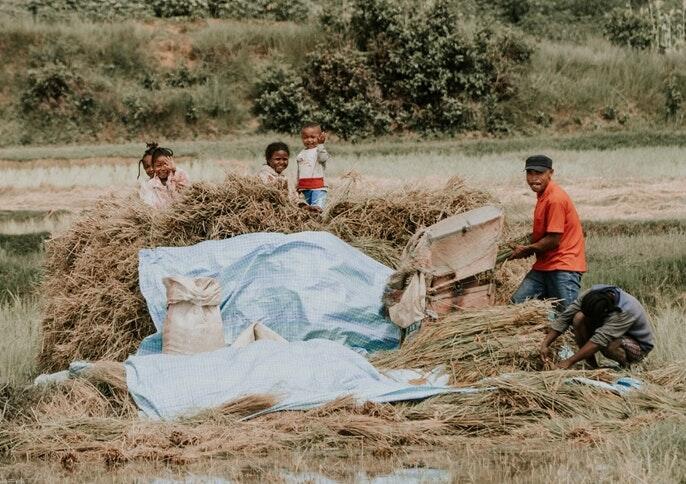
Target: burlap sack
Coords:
[[255, 332], [193, 323]]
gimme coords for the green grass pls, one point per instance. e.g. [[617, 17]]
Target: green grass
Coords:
[[652, 267], [20, 342], [400, 157], [19, 274], [23, 244], [247, 146]]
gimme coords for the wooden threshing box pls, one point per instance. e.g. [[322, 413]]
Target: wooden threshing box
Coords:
[[462, 247]]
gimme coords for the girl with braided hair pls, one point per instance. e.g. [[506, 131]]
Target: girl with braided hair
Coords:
[[168, 180], [146, 163], [607, 319]]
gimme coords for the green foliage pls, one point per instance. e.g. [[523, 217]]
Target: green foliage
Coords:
[[93, 9], [281, 102], [554, 19], [113, 9], [394, 66], [344, 90], [673, 97], [264, 9], [22, 244], [179, 8], [629, 27], [19, 274]]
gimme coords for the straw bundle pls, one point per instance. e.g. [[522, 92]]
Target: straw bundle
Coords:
[[523, 405], [94, 309], [476, 343]]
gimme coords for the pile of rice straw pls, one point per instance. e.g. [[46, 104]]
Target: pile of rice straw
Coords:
[[95, 422], [476, 343], [93, 419], [93, 307]]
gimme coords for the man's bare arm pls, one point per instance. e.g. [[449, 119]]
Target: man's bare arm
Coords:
[[548, 242]]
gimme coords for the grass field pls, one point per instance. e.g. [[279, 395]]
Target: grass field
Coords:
[[630, 197]]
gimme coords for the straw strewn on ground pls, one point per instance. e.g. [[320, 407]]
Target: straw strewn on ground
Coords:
[[91, 423]]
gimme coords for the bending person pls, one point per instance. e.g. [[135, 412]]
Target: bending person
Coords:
[[606, 319]]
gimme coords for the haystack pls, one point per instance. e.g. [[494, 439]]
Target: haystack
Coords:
[[476, 343], [93, 307]]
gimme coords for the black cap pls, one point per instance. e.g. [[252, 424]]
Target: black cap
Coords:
[[538, 163]]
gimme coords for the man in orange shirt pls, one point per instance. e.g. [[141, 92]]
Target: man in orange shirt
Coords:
[[557, 240]]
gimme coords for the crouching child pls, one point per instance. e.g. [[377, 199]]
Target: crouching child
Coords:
[[606, 319]]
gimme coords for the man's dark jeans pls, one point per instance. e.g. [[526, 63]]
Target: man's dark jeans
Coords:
[[563, 285]]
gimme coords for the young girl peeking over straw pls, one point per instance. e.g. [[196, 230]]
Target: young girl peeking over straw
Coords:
[[276, 156], [168, 181], [146, 163]]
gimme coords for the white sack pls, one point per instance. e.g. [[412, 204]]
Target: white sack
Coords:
[[193, 323], [256, 331]]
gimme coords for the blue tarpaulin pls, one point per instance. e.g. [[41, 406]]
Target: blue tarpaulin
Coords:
[[302, 286], [300, 375]]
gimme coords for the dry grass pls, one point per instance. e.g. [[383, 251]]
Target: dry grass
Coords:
[[93, 306], [476, 343], [93, 419], [87, 422]]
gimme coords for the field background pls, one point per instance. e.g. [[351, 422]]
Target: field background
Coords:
[[631, 201], [601, 111]]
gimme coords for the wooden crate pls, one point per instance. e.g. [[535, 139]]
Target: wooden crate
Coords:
[[465, 245], [455, 297]]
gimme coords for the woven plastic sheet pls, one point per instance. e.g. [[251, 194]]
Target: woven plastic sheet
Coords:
[[302, 286], [301, 375]]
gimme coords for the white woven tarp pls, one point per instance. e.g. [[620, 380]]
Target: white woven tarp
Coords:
[[302, 286], [301, 375]]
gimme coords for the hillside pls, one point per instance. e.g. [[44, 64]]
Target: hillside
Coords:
[[84, 71]]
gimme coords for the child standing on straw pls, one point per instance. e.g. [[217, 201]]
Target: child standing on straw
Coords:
[[311, 166], [276, 156], [168, 181]]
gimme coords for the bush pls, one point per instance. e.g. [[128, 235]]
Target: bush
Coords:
[[111, 9], [346, 93], [396, 66], [673, 97], [94, 9], [179, 8], [264, 9], [281, 102], [628, 27]]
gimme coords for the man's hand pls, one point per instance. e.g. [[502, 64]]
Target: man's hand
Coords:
[[546, 354], [565, 364], [520, 252]]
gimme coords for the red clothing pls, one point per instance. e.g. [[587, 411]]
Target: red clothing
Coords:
[[311, 183], [555, 214]]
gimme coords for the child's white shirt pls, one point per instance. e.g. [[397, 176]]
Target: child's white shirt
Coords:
[[312, 163]]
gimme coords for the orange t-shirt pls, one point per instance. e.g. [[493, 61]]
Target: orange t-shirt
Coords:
[[555, 214]]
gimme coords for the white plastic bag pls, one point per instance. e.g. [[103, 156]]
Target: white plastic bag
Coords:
[[193, 323]]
